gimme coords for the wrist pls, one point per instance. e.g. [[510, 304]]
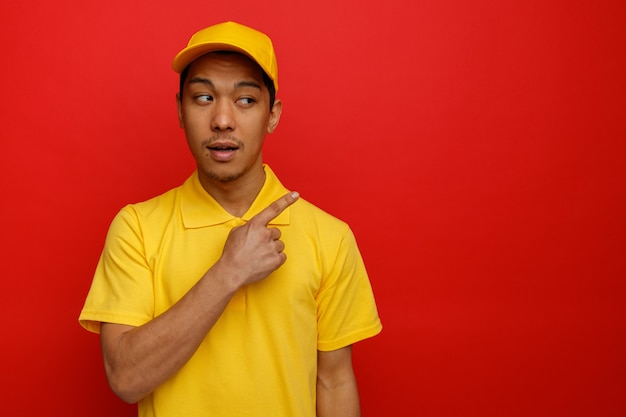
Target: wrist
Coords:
[[230, 279]]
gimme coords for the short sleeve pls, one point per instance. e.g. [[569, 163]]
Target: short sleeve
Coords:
[[122, 288], [346, 307]]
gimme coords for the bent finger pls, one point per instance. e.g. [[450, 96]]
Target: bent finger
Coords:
[[275, 233]]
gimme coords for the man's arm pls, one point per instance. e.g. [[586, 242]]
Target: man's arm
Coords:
[[337, 392], [139, 359]]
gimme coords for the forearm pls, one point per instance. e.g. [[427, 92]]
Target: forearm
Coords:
[[138, 360], [337, 391], [338, 401]]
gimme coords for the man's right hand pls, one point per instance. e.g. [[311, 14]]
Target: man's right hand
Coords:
[[254, 250], [139, 359]]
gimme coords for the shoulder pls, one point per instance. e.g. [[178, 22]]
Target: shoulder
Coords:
[[152, 211], [304, 209], [308, 218], [157, 203]]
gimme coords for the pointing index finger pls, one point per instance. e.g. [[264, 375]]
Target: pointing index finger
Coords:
[[273, 210]]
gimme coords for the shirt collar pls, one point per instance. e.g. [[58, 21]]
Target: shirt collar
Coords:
[[200, 209]]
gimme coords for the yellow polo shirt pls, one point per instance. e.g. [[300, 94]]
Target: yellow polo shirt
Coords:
[[260, 358]]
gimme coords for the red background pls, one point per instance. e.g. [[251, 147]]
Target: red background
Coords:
[[477, 148]]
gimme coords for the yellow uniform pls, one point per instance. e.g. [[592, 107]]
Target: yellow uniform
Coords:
[[260, 358]]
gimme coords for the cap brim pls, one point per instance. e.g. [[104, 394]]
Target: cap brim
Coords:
[[188, 55]]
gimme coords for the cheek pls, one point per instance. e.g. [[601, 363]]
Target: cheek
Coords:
[[262, 125], [251, 127], [194, 125]]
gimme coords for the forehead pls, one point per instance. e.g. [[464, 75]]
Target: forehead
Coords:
[[226, 64]]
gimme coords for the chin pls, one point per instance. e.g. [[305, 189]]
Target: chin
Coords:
[[224, 177]]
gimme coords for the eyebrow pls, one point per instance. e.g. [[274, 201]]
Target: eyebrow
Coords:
[[253, 84], [209, 83], [200, 80]]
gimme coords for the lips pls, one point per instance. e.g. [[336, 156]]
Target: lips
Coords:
[[222, 151]]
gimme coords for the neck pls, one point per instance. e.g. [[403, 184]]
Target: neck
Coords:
[[235, 196]]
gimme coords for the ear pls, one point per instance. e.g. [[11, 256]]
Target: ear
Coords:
[[179, 106], [274, 116]]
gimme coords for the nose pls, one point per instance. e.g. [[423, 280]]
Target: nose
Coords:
[[222, 119]]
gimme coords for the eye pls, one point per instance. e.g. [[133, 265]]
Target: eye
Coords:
[[246, 101], [203, 98]]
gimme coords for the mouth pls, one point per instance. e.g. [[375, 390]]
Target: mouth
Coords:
[[222, 151], [222, 148]]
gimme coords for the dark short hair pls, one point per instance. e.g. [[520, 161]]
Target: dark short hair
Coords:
[[269, 84]]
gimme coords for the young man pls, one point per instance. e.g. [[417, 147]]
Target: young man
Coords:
[[199, 309]]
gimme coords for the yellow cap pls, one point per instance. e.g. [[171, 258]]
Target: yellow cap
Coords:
[[230, 36]]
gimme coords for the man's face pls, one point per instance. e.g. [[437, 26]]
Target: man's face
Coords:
[[225, 113]]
